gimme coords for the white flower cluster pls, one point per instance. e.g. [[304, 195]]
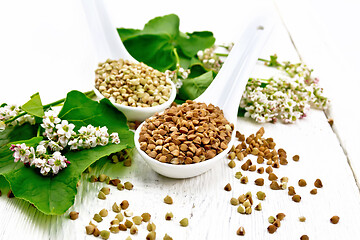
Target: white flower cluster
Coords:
[[210, 59], [284, 97], [7, 112], [177, 75], [60, 134], [39, 158]]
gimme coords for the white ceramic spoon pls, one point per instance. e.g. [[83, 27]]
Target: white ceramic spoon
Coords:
[[225, 92], [109, 45]]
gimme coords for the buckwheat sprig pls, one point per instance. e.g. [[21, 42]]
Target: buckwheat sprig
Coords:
[[60, 135]]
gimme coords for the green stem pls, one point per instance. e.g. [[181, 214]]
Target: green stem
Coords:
[[222, 54], [89, 94], [177, 58], [38, 131], [263, 60], [14, 118]]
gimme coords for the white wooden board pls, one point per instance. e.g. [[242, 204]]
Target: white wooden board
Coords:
[[201, 199]]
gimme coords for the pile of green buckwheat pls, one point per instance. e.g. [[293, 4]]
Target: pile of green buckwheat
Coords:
[[132, 84], [124, 217]]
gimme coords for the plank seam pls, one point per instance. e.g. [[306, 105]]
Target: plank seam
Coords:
[[324, 111]]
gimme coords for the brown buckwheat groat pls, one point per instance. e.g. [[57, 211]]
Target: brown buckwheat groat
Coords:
[[190, 133], [334, 219]]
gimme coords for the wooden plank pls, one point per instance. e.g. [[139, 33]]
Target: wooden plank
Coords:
[[329, 44], [202, 199]]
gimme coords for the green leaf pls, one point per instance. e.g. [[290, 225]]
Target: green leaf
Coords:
[[153, 50], [194, 87], [193, 42], [155, 44], [184, 61], [126, 33], [196, 70], [54, 195], [179, 101], [4, 185], [17, 133], [34, 106], [241, 112], [168, 24]]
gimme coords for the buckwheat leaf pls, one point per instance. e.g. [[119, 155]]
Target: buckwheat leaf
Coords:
[[126, 33], [154, 50], [196, 70], [168, 24], [193, 42], [241, 112], [16, 133], [155, 44], [4, 185], [194, 87], [34, 106], [54, 195]]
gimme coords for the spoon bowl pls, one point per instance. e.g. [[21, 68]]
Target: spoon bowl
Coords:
[[109, 45], [225, 92], [181, 171], [142, 113]]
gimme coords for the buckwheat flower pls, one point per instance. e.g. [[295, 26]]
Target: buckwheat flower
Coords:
[[90, 130], [30, 119], [178, 84], [50, 133], [44, 143], [57, 162], [83, 130], [23, 119], [74, 144], [101, 132], [54, 146], [91, 142], [102, 141], [63, 141], [21, 153], [65, 129], [31, 156], [38, 162], [45, 169], [50, 119], [185, 74], [86, 142], [40, 149], [115, 138]]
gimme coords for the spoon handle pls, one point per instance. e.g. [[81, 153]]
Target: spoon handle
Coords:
[[226, 89], [106, 40]]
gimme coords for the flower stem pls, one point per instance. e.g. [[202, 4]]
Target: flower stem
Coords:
[[263, 60], [38, 131], [222, 54], [89, 94], [177, 58]]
